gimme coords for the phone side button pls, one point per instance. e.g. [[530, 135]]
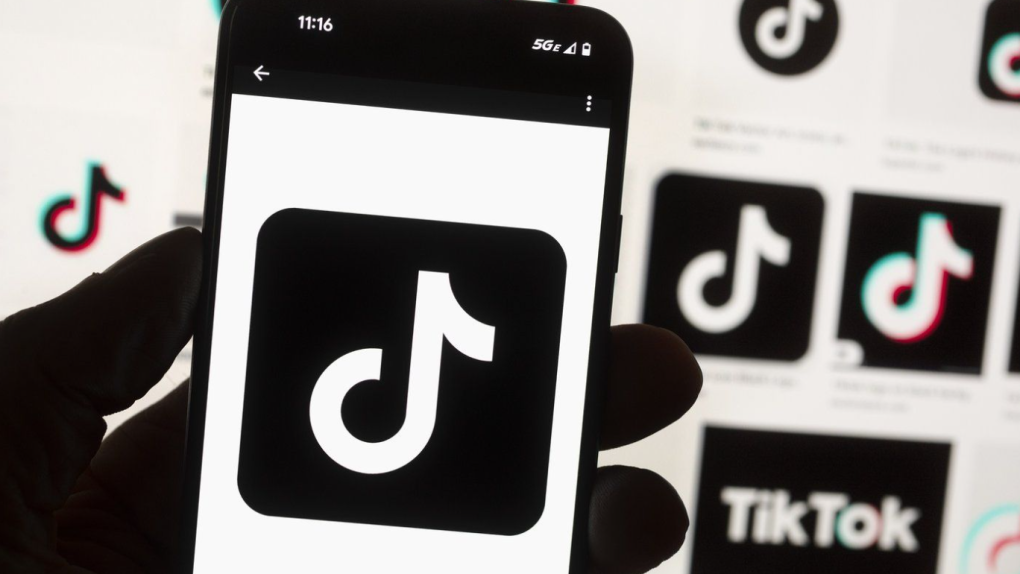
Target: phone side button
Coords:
[[619, 243]]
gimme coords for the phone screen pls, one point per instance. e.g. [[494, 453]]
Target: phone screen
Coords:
[[399, 356]]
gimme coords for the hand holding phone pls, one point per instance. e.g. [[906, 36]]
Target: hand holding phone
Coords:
[[65, 505], [412, 228]]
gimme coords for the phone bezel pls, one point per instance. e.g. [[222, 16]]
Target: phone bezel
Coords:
[[249, 26]]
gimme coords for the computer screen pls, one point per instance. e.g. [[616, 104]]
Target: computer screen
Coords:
[[822, 199]]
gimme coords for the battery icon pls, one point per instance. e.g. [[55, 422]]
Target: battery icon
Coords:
[[586, 49]]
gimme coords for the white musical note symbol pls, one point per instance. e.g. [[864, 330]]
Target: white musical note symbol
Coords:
[[438, 315], [756, 240], [793, 19], [927, 278]]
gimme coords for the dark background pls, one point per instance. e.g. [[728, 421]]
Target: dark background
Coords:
[[694, 215], [867, 470], [880, 225], [1014, 353]]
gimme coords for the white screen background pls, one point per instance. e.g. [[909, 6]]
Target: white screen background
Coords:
[[297, 154]]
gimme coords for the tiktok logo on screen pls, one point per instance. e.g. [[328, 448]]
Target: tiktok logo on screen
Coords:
[[763, 516], [401, 372], [780, 503], [999, 75], [904, 296], [757, 242], [917, 283], [789, 37], [87, 212], [732, 263], [438, 318]]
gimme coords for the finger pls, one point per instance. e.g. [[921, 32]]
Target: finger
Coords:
[[636, 521], [131, 490], [653, 380], [88, 353]]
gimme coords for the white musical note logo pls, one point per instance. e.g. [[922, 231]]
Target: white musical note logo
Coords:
[[926, 277], [756, 240], [1002, 64], [793, 19], [438, 315]]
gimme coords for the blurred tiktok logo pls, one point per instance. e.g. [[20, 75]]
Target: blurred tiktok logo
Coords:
[[732, 263], [999, 75], [88, 211], [784, 503], [774, 517], [904, 296], [756, 242], [917, 284], [789, 37]]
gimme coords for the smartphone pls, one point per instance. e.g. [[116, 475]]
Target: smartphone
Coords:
[[412, 228]]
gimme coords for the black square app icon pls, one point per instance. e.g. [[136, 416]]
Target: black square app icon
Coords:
[[733, 264], [917, 283], [781, 503], [789, 37], [401, 372], [999, 68]]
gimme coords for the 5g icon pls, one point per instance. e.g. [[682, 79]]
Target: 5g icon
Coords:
[[732, 266]]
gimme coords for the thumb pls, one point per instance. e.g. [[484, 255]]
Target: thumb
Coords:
[[67, 363]]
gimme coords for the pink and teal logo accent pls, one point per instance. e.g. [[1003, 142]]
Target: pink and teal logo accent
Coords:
[[1004, 64], [993, 535], [97, 186], [904, 295]]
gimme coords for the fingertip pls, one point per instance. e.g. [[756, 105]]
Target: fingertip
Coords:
[[637, 521], [654, 379]]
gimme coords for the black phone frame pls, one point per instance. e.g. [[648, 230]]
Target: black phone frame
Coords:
[[469, 43]]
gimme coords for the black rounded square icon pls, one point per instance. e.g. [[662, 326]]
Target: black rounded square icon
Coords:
[[917, 284], [401, 372], [733, 265], [999, 68], [789, 37], [784, 503]]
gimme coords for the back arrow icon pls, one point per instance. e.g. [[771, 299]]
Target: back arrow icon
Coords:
[[259, 73]]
